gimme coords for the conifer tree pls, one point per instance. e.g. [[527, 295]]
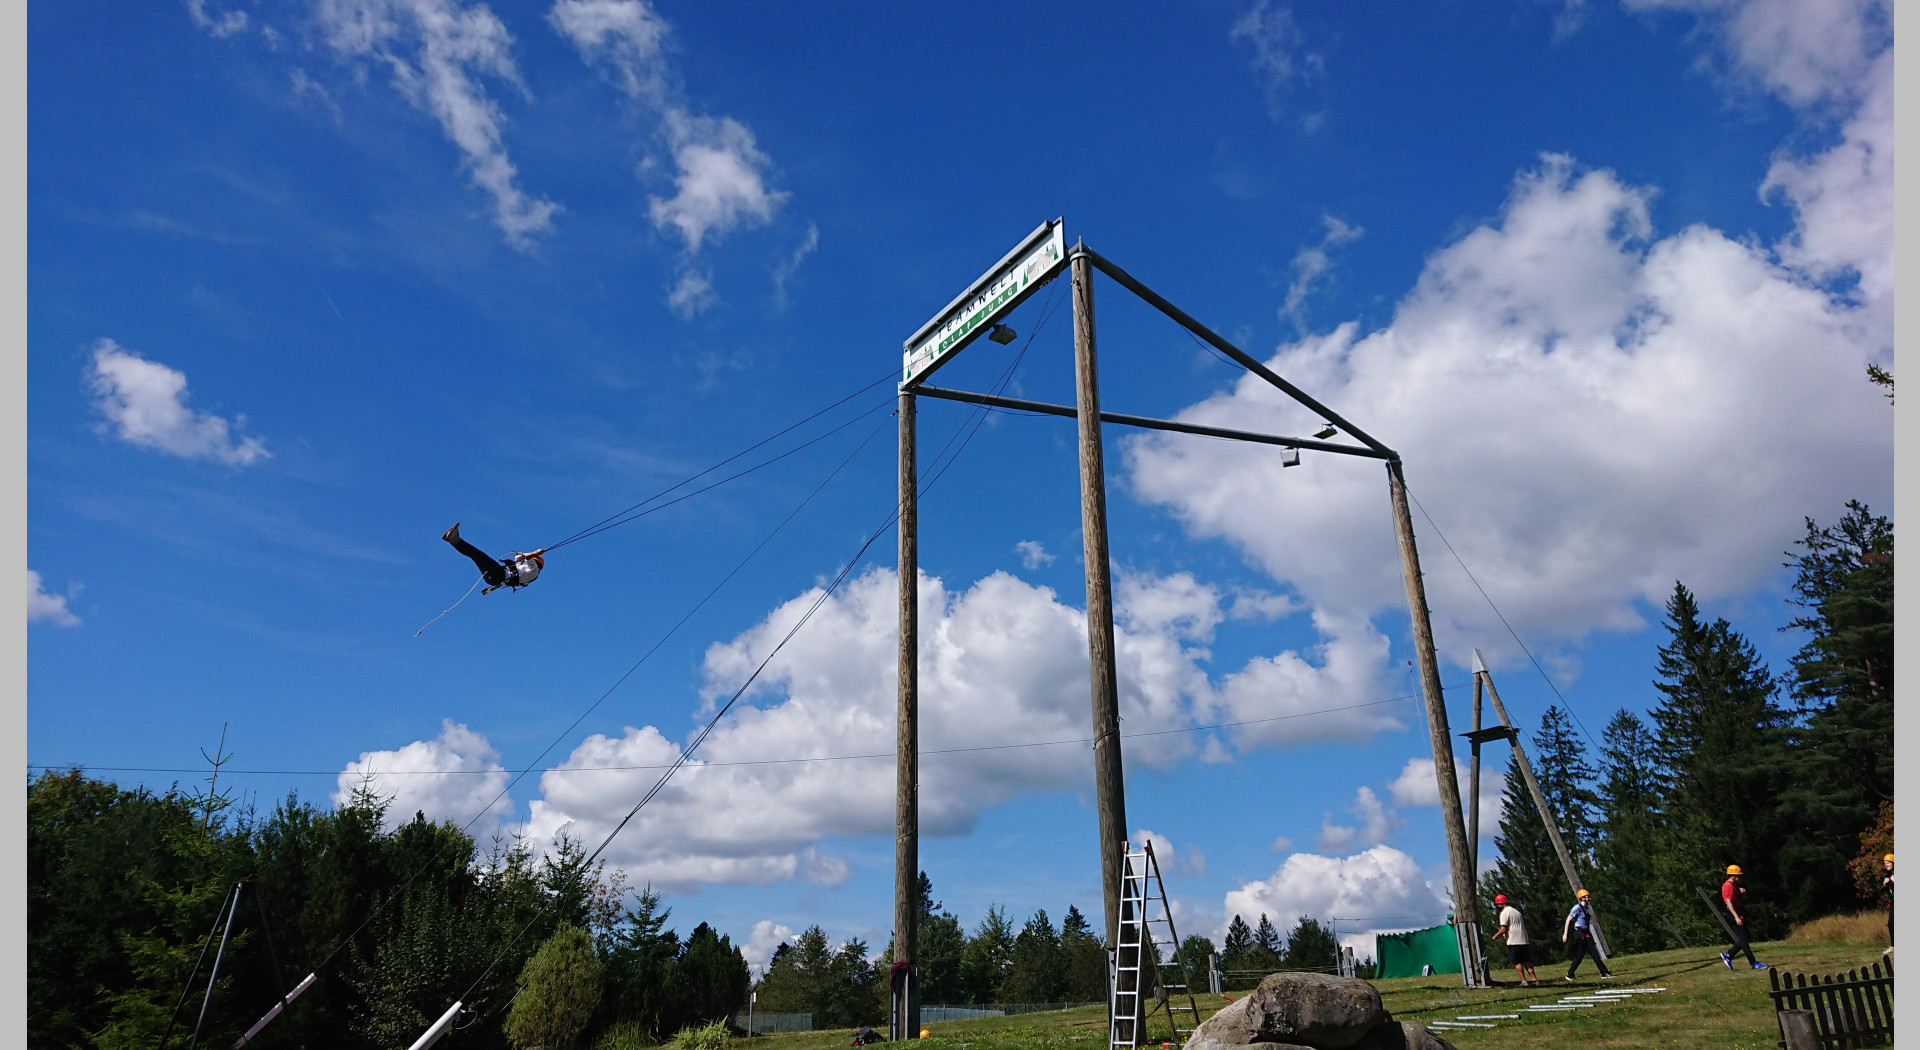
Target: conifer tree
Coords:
[[1034, 973], [1085, 959], [1527, 871], [984, 962], [1629, 833], [1268, 948]]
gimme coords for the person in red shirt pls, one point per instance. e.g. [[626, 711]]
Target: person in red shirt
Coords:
[[517, 571], [1734, 896]]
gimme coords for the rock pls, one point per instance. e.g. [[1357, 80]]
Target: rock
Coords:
[[1403, 1035], [1311, 1009]]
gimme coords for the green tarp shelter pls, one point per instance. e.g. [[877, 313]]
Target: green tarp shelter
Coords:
[[1403, 954]]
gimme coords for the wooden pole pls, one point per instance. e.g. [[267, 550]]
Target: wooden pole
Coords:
[[906, 840], [1546, 815], [1466, 907], [1473, 790], [1109, 785]]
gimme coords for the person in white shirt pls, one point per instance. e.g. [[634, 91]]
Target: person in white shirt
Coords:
[[1519, 950], [517, 571]]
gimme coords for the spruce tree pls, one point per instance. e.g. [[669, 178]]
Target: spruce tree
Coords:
[[1239, 952], [1527, 871], [1034, 972], [1720, 742], [1268, 948], [1311, 946], [1840, 765], [1560, 765], [1629, 833], [983, 963], [1085, 959]]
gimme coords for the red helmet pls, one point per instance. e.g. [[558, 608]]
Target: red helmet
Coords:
[[1499, 898]]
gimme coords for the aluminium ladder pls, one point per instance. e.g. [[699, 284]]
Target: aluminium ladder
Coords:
[[1144, 914]]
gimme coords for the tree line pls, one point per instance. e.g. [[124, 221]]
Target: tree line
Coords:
[[1788, 775], [124, 885]]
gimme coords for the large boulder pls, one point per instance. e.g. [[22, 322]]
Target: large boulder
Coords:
[[1301, 1009], [1402, 1035]]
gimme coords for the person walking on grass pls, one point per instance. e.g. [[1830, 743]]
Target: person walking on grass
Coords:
[[1577, 934], [1887, 884], [1519, 952], [1734, 896]]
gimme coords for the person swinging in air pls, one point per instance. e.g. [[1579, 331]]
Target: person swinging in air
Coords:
[[515, 572]]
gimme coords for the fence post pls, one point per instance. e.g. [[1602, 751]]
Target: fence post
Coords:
[[1798, 1030]]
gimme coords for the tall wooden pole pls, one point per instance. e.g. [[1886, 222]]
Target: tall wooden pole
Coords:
[[1473, 790], [1466, 906], [1108, 782], [1540, 803], [906, 839]]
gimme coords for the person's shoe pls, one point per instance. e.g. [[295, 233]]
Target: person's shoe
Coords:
[[452, 535], [1727, 958], [1608, 976], [1759, 966], [1568, 979]]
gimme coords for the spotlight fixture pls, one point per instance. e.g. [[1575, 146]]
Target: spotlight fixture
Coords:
[[1002, 334], [1326, 430], [1289, 457]]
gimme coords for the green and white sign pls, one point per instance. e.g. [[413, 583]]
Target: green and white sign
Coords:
[[1029, 265]]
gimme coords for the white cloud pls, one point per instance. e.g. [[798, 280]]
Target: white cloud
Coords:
[[1032, 554], [1311, 263], [720, 185], [223, 25], [1589, 414], [455, 776], [1280, 695], [1417, 785], [146, 402], [1375, 824], [766, 936], [47, 608], [784, 271], [1279, 52], [1806, 51], [1378, 889], [721, 175], [1281, 844], [692, 293], [436, 51], [1190, 861]]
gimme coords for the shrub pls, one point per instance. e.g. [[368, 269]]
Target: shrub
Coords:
[[710, 1036], [1867, 927]]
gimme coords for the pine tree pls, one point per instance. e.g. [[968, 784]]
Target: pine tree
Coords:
[[1311, 946], [1034, 973], [1840, 765], [1630, 832], [983, 964], [1085, 959], [1269, 949], [1719, 734]]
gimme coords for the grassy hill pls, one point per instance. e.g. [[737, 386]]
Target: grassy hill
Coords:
[[1705, 1005]]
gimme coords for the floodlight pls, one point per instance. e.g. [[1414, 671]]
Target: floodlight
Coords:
[[1289, 457], [1002, 334], [1326, 430]]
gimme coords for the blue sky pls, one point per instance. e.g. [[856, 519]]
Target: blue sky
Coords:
[[308, 283]]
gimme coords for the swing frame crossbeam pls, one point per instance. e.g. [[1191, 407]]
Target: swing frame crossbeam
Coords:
[[1081, 261]]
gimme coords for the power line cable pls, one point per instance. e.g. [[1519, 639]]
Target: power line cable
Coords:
[[1503, 621]]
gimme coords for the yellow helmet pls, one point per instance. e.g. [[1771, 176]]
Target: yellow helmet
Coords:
[[1582, 894], [1888, 858], [1734, 869]]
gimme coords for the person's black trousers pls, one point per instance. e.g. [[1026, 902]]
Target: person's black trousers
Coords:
[[494, 572], [1740, 943], [1580, 945]]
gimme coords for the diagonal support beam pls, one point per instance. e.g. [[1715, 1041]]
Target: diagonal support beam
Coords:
[[1147, 422], [1245, 361]]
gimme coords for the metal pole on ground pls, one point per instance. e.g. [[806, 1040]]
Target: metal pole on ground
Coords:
[[1466, 907], [905, 1016]]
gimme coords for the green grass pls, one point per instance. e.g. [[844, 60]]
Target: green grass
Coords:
[[1704, 1005]]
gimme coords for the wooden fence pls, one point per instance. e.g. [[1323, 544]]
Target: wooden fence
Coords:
[[1853, 1009]]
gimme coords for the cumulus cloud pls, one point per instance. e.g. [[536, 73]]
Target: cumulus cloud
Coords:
[[1032, 554], [145, 403], [47, 608], [455, 776], [1003, 662], [437, 52], [1188, 861], [1275, 701], [1375, 823], [1418, 786], [766, 936], [1375, 890], [720, 181], [1589, 413], [1806, 51]]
